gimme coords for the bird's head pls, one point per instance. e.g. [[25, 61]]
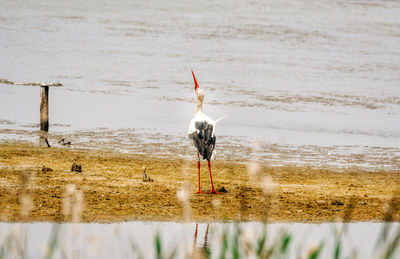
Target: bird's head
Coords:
[[200, 93]]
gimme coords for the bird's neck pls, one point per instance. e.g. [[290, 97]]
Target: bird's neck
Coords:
[[199, 106]]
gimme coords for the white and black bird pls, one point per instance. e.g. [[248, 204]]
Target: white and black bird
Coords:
[[202, 133]]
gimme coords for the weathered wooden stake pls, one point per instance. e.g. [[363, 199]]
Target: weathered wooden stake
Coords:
[[44, 106], [44, 115]]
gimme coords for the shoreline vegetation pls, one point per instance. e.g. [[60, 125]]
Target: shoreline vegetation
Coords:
[[37, 184]]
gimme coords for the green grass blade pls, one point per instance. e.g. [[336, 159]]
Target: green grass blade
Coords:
[[285, 243], [158, 246], [224, 247], [261, 242], [235, 243], [337, 248], [316, 252], [392, 246], [53, 240]]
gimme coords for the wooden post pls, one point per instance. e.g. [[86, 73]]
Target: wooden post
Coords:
[[44, 106], [44, 115]]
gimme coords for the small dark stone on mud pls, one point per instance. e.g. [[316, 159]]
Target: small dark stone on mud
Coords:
[[64, 142], [337, 203], [76, 167], [222, 189], [46, 169]]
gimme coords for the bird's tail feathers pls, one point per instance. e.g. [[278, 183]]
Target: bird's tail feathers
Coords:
[[223, 117]]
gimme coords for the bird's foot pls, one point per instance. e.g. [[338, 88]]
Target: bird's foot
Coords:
[[213, 191], [199, 192]]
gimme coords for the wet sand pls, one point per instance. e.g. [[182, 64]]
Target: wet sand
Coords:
[[110, 188]]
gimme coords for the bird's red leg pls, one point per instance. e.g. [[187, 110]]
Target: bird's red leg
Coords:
[[198, 167], [212, 185]]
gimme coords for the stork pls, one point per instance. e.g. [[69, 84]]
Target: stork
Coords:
[[202, 133]]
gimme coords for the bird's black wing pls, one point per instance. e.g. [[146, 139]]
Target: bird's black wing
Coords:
[[203, 139]]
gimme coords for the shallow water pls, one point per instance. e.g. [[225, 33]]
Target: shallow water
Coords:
[[130, 239], [302, 82]]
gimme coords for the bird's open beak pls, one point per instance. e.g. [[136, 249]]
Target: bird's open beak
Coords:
[[196, 85]]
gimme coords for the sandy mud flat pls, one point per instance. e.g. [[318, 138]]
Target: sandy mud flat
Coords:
[[36, 184]]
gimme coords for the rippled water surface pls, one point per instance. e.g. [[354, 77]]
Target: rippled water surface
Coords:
[[136, 239], [302, 82]]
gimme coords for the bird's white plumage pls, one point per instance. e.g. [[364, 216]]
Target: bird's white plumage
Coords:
[[200, 117]]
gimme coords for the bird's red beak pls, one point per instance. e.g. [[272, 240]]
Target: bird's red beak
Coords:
[[196, 85]]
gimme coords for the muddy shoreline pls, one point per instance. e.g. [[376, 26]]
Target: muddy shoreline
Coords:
[[110, 188]]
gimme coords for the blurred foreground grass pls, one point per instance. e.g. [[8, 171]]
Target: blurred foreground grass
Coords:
[[232, 240]]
